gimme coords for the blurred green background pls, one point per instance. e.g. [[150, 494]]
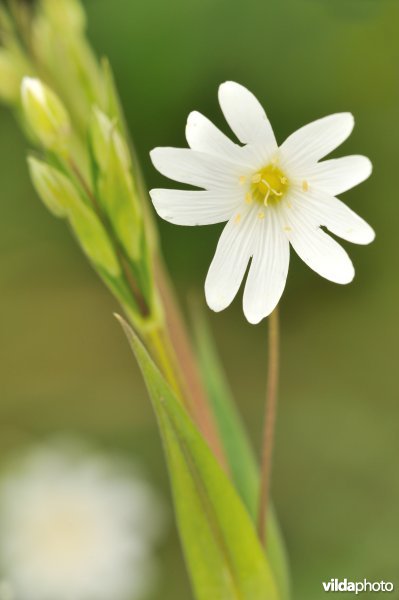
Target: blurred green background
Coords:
[[65, 366]]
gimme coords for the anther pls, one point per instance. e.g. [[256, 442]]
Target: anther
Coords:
[[305, 185]]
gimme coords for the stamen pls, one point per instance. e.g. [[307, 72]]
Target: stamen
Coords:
[[261, 214], [248, 198], [242, 179], [237, 218], [305, 185], [268, 185]]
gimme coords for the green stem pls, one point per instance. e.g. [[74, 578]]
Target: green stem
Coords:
[[193, 386], [159, 345], [269, 424]]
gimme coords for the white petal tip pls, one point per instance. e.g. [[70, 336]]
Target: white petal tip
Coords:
[[191, 123], [230, 86], [193, 117], [350, 118], [255, 314], [343, 278], [154, 155], [367, 238], [161, 207], [368, 166], [216, 302], [254, 319], [363, 166], [348, 121], [228, 83], [361, 235]]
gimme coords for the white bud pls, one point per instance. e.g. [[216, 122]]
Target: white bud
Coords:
[[45, 114]]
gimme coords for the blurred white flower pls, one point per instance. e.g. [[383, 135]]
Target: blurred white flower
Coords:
[[76, 526], [271, 196]]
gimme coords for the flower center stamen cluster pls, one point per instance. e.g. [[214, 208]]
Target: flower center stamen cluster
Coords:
[[268, 186]]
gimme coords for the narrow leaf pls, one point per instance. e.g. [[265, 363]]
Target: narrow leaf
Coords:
[[223, 553]]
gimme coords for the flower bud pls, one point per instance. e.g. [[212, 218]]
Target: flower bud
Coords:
[[100, 137], [53, 187], [63, 199], [45, 114], [115, 183], [93, 237], [79, 81]]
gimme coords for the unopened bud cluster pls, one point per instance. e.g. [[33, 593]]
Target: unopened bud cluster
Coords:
[[84, 173]]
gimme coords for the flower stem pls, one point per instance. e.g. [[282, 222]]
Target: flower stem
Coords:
[[269, 423], [158, 343]]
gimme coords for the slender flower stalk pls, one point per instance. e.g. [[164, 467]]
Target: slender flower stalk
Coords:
[[269, 422]]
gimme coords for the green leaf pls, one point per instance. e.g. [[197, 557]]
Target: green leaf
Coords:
[[223, 553], [240, 456]]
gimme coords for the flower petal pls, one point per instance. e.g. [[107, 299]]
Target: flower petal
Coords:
[[196, 168], [338, 175], [245, 115], [192, 207], [317, 249], [314, 141], [202, 135], [323, 209], [230, 261], [269, 268]]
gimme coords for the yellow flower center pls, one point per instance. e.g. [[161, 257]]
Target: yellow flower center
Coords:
[[268, 186]]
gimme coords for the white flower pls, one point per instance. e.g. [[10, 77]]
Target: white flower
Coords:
[[271, 196], [76, 525]]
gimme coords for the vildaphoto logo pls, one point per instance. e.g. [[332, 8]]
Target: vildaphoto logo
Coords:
[[343, 585]]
